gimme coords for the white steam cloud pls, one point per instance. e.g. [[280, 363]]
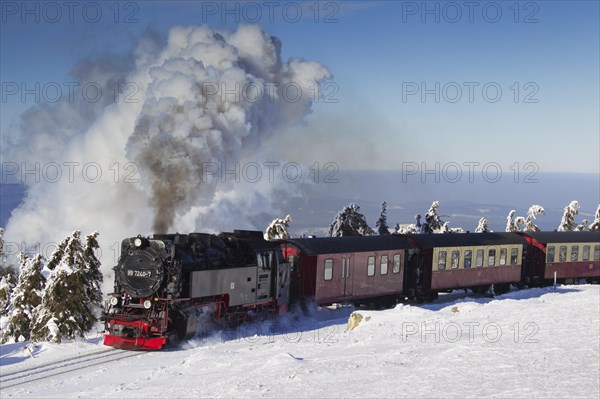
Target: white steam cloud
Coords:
[[211, 97], [202, 98]]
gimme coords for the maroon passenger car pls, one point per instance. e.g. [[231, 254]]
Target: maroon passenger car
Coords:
[[348, 269]]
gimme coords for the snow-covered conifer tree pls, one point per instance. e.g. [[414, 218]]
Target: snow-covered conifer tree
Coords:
[[72, 297], [416, 228], [482, 227], [510, 222], [8, 283], [433, 223], [26, 298], [381, 224], [567, 222], [596, 223], [418, 225], [349, 222], [278, 229], [533, 211]]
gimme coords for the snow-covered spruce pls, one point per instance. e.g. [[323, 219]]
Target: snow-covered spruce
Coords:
[[8, 282], [278, 229], [511, 226], [520, 223], [72, 298], [410, 228], [433, 223], [482, 227], [596, 224], [349, 222], [567, 223], [381, 224], [25, 299], [533, 211]]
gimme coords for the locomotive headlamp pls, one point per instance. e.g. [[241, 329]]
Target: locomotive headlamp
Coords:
[[138, 242], [114, 301], [147, 304]]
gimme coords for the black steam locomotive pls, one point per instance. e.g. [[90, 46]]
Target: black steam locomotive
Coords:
[[163, 284]]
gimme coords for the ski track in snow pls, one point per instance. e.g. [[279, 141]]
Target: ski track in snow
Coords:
[[534, 343]]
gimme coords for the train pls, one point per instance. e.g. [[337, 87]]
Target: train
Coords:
[[163, 284]]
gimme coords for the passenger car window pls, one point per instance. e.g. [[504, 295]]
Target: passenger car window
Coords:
[[503, 257], [384, 264], [596, 252], [328, 273], [514, 256], [371, 266], [574, 253], [396, 268], [491, 257], [455, 260], [586, 252], [479, 258], [468, 257], [562, 253], [550, 254], [442, 260]]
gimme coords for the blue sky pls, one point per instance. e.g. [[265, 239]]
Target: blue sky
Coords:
[[543, 56]]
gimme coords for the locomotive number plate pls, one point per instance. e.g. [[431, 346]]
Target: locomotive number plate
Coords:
[[139, 273]]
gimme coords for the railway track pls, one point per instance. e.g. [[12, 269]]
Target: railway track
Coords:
[[63, 366]]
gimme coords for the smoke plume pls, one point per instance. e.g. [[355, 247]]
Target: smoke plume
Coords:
[[211, 97], [203, 99]]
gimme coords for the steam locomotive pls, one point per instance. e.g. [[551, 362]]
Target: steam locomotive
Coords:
[[164, 283]]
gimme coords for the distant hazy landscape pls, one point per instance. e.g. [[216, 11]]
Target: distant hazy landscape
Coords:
[[462, 203]]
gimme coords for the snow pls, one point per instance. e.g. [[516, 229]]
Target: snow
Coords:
[[537, 342]]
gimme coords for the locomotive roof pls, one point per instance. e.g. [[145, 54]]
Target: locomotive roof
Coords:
[[544, 237], [465, 239], [333, 245]]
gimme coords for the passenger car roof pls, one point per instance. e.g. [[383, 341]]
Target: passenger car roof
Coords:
[[333, 245], [544, 237]]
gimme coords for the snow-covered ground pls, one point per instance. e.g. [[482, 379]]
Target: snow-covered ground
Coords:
[[534, 343]]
